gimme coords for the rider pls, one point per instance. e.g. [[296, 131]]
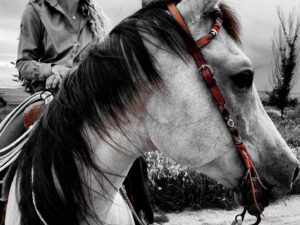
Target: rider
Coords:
[[54, 36]]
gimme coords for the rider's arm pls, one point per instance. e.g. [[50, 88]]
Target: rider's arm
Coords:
[[31, 48]]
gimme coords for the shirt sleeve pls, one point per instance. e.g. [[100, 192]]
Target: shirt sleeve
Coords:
[[30, 48]]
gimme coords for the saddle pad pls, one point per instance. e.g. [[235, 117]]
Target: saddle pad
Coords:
[[32, 113]]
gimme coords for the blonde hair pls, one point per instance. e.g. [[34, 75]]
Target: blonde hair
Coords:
[[98, 22]]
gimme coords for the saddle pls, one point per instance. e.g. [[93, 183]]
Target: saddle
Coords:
[[14, 132]]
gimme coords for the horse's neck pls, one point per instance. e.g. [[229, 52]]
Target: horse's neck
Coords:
[[114, 157]]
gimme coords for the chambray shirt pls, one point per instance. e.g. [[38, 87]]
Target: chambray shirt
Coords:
[[48, 38]]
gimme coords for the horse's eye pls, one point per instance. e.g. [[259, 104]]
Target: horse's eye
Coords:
[[243, 79]]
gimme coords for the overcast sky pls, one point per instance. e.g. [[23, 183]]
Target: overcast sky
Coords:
[[258, 18]]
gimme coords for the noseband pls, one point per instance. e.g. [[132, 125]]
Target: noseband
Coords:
[[252, 187]]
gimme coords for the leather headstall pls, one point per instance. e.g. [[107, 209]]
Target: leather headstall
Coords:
[[251, 182]]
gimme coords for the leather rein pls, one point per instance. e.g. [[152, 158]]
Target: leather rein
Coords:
[[251, 180]]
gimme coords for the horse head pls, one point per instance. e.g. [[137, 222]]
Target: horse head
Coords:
[[185, 123]]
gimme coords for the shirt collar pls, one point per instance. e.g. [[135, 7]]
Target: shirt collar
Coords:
[[52, 2]]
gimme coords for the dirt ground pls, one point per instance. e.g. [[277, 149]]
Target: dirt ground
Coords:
[[285, 212]]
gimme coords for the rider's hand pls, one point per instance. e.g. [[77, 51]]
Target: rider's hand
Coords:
[[61, 70], [55, 80]]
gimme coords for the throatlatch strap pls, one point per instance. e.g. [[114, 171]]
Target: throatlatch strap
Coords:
[[206, 71]]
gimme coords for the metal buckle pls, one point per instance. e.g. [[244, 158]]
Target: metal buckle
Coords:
[[230, 123], [213, 32], [206, 66], [47, 97]]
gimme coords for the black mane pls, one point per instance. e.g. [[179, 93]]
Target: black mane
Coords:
[[106, 84]]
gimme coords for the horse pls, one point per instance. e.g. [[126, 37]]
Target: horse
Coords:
[[139, 91]]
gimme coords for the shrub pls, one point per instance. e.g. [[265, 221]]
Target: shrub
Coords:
[[5, 111], [174, 187], [3, 103]]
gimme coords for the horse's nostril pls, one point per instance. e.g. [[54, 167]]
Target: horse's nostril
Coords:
[[296, 174]]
